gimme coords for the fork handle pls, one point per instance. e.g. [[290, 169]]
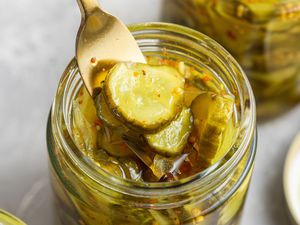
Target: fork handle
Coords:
[[87, 6]]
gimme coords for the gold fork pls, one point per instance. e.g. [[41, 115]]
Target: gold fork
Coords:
[[102, 38]]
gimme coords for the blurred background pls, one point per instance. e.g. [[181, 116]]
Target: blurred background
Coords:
[[37, 40]]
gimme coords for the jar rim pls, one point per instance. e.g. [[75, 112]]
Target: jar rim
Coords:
[[171, 188]]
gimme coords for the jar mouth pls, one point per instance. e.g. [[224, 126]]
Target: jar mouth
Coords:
[[148, 33]]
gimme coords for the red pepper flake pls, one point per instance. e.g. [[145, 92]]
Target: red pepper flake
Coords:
[[153, 201], [162, 61], [80, 102], [98, 122], [185, 167], [144, 72], [172, 63], [93, 60], [192, 139], [167, 62], [231, 35], [206, 78], [80, 93], [123, 146]]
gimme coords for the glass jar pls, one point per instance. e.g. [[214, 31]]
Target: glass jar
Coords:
[[215, 196], [8, 219], [263, 36]]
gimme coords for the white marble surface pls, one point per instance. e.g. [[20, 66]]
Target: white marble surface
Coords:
[[36, 43]]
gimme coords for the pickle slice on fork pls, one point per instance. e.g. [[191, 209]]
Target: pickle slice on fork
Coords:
[[146, 98]]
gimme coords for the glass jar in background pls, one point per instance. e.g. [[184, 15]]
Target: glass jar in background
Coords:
[[8, 219], [89, 196], [263, 36]]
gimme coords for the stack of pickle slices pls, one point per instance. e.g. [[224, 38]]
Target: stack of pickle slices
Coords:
[[155, 122]]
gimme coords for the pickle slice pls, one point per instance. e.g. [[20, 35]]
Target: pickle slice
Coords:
[[108, 163], [162, 166], [104, 112], [84, 117], [144, 97], [171, 140], [132, 169], [212, 113]]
